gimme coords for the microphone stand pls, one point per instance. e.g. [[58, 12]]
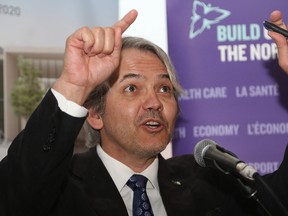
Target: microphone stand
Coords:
[[249, 173], [252, 193], [212, 153], [281, 209]]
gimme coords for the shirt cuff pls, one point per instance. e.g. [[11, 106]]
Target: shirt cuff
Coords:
[[68, 106]]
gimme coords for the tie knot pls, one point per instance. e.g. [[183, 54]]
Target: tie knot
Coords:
[[137, 182]]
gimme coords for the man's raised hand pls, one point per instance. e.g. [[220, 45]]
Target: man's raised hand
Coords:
[[280, 40], [91, 56]]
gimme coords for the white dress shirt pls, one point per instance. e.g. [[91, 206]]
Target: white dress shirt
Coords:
[[119, 172]]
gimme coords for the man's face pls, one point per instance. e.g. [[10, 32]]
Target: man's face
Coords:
[[141, 109]]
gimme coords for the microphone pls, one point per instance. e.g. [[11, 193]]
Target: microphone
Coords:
[[209, 153]]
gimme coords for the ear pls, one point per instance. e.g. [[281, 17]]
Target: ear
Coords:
[[95, 120]]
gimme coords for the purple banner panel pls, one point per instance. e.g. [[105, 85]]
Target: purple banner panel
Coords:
[[234, 91]]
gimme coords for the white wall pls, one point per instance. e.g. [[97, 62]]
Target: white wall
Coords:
[[151, 21], [48, 23]]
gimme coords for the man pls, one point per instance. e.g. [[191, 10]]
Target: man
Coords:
[[130, 89]]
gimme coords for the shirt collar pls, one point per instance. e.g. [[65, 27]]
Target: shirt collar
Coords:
[[120, 173]]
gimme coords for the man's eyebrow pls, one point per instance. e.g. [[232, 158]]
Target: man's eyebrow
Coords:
[[138, 76], [130, 75], [166, 76]]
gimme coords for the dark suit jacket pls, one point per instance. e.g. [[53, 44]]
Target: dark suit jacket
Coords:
[[40, 177]]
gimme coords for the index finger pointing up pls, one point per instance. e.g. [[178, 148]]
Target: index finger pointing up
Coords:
[[127, 20]]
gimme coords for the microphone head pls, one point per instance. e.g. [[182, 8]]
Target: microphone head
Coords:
[[200, 149]]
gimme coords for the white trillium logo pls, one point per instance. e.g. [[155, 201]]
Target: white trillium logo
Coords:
[[203, 16]]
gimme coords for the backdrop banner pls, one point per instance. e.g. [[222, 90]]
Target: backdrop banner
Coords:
[[234, 91]]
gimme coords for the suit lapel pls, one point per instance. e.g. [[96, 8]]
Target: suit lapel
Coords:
[[175, 194], [184, 193], [99, 186]]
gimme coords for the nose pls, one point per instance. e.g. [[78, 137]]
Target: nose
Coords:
[[152, 101]]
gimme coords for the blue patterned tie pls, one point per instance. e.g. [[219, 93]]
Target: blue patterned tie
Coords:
[[141, 204]]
